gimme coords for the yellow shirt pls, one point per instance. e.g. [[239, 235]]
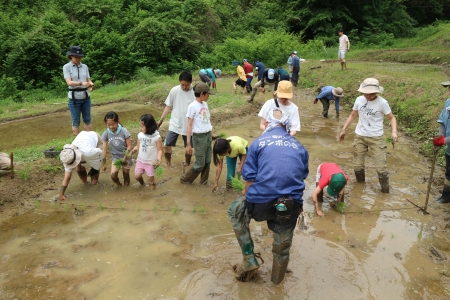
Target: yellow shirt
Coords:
[[238, 146], [241, 73]]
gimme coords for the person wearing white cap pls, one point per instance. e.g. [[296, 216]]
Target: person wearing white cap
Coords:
[[84, 150], [371, 109], [329, 93], [284, 93], [270, 78]]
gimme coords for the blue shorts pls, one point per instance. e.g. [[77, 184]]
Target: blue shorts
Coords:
[[80, 107]]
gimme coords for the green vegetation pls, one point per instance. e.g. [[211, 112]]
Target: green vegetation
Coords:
[[341, 207], [237, 184], [25, 172], [159, 172], [118, 163]]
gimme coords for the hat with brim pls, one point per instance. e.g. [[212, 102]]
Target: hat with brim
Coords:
[[270, 73], [370, 86], [202, 88], [75, 51], [338, 92], [284, 89], [235, 63], [445, 83], [337, 183], [70, 156]]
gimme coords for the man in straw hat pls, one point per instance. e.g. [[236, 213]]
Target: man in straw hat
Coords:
[[443, 138], [284, 94], [84, 150], [329, 174], [327, 94], [273, 193], [371, 109]]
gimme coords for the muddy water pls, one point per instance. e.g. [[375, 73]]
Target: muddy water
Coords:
[[40, 130], [176, 242]]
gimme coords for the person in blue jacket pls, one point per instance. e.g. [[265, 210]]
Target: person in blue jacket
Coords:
[[327, 94], [259, 66], [275, 171], [209, 76]]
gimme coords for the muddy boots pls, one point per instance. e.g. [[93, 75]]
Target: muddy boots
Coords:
[[205, 174], [189, 176], [280, 261], [360, 175], [326, 106], [168, 157], [445, 197], [187, 159], [247, 270], [384, 181], [115, 178]]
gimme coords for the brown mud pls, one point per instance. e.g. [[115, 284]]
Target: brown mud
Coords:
[[177, 243]]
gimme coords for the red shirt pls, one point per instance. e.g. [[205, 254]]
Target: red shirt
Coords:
[[248, 68], [326, 171]]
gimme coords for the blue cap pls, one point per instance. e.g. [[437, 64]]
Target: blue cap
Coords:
[[270, 73], [235, 63], [218, 72]]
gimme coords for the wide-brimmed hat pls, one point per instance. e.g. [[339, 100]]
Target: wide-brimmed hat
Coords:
[[337, 183], [202, 88], [338, 92], [445, 83], [76, 51], [284, 89], [270, 73], [370, 86], [235, 63], [70, 156]]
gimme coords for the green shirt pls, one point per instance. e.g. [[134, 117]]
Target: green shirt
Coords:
[[238, 146]]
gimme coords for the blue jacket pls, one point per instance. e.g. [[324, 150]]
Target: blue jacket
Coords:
[[296, 61], [210, 73], [260, 67], [277, 164], [327, 93]]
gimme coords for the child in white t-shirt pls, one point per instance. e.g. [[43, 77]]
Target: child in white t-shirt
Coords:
[[149, 145]]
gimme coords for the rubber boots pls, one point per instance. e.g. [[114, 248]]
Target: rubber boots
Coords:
[[247, 270], [280, 261], [445, 197], [205, 174], [187, 159], [189, 176], [168, 157], [384, 181], [360, 175]]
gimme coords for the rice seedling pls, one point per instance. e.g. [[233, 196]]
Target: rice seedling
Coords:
[[25, 173], [338, 238], [84, 205], [237, 184], [155, 208], [159, 172], [341, 207], [100, 205], [49, 168], [392, 236], [419, 234], [66, 207], [138, 208], [194, 210], [221, 135], [37, 203], [174, 210], [118, 163], [122, 206], [202, 209]]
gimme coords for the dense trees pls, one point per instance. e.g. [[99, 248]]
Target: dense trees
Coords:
[[121, 36]]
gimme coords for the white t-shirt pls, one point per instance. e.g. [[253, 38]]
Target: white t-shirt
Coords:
[[371, 116], [343, 39], [179, 100], [291, 110], [199, 112], [86, 142], [148, 151]]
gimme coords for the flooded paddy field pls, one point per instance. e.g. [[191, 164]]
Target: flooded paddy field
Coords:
[[176, 242]]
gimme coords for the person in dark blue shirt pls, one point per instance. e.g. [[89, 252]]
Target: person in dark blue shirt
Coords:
[[327, 94], [259, 69], [275, 170], [295, 68]]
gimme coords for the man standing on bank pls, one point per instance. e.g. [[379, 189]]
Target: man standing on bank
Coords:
[[344, 46], [371, 109], [177, 103], [327, 94], [274, 171]]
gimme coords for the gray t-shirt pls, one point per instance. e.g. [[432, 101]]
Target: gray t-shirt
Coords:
[[117, 142], [76, 73]]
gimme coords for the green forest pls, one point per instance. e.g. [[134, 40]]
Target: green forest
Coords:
[[125, 38]]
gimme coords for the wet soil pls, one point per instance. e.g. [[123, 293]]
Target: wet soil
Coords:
[[176, 242]]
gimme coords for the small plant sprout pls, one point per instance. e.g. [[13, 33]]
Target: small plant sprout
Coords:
[[194, 210], [159, 172], [50, 168], [155, 208], [122, 206], [174, 210], [100, 205], [37, 203], [84, 205], [341, 207], [338, 238], [392, 236], [419, 234], [221, 135], [138, 208], [202, 209], [25, 173], [237, 184], [66, 207]]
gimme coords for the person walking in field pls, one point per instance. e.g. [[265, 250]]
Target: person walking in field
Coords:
[[209, 76], [443, 139], [248, 69], [326, 94], [242, 80], [79, 81], [295, 68], [344, 47], [119, 140], [149, 145], [270, 78], [371, 110], [259, 65], [177, 103]]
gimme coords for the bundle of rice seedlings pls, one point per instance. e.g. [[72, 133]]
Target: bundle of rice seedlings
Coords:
[[159, 172], [341, 207], [221, 135], [118, 163], [237, 184]]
